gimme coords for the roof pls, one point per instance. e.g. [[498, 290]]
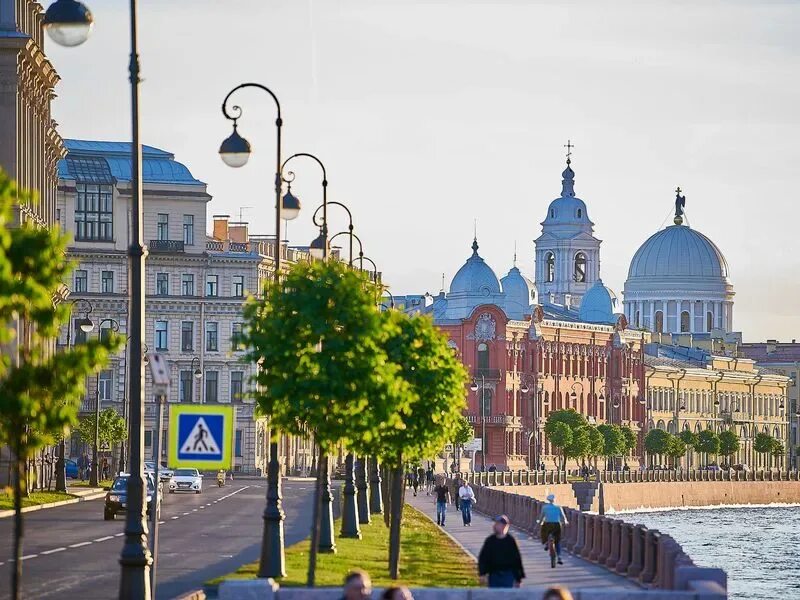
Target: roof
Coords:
[[678, 251], [781, 353], [90, 161]]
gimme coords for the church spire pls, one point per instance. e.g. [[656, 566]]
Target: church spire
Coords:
[[475, 238], [568, 176], [680, 202]]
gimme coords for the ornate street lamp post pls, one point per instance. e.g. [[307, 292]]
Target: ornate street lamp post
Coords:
[[474, 388], [94, 477], [533, 459]]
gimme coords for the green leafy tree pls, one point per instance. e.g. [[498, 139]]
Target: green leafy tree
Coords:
[[629, 440], [560, 436], [596, 444], [463, 434], [580, 445], [776, 451], [318, 339], [113, 429], [728, 444], [435, 396], [765, 444], [707, 443], [656, 442], [676, 449], [613, 441], [689, 438], [40, 391]]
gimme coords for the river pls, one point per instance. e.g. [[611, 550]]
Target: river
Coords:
[[757, 547]]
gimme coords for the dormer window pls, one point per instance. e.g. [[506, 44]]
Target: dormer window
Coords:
[[580, 213], [550, 267], [552, 213], [579, 272]]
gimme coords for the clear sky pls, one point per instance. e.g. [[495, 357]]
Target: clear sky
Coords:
[[429, 115]]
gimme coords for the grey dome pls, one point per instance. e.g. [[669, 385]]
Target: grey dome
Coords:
[[519, 291], [475, 277], [568, 209], [598, 305], [678, 251]]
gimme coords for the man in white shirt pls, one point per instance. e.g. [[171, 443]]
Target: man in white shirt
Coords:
[[466, 498]]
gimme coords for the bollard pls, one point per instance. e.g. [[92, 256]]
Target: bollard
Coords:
[[570, 530], [597, 540], [580, 533], [624, 548], [637, 551], [613, 557], [650, 556], [605, 550], [588, 534]]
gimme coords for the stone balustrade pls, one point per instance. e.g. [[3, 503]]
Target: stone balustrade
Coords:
[[647, 556]]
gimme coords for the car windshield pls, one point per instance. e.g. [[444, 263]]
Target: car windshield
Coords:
[[186, 472], [121, 484]]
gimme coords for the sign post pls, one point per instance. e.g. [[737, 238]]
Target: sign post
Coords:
[[160, 373]]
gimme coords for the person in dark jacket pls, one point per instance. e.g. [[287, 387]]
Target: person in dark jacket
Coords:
[[499, 562]]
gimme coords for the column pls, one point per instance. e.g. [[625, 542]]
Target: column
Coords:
[[691, 316], [652, 315]]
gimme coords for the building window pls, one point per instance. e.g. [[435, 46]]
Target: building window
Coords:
[[80, 334], [483, 356], [187, 336], [104, 384], [81, 281], [212, 386], [552, 213], [580, 213], [188, 230], [94, 214], [579, 274], [212, 283], [485, 401], [238, 286], [162, 227], [212, 337], [659, 328], [685, 325], [148, 438], [107, 282], [709, 321], [161, 335], [237, 331], [550, 267], [187, 284], [162, 284], [636, 319], [106, 329], [238, 443], [186, 392], [237, 385]]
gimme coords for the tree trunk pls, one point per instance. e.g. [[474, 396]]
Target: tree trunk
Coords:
[[386, 485], [397, 518], [16, 575], [316, 517]]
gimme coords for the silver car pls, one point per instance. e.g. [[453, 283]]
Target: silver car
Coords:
[[186, 480]]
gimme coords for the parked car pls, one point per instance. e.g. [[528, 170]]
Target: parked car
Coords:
[[741, 467], [117, 497], [71, 467], [186, 480], [164, 473]]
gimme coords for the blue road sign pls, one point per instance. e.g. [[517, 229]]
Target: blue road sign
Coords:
[[200, 436]]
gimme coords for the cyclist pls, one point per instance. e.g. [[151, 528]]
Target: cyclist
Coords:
[[550, 521]]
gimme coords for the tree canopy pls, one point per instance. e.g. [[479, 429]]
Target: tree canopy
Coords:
[[113, 428], [707, 442], [613, 440], [657, 441], [728, 443]]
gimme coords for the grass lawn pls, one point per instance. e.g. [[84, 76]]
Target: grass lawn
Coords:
[[7, 498], [427, 558], [78, 483]]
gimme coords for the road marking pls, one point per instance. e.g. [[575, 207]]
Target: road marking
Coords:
[[202, 507], [29, 556], [173, 518], [186, 513], [53, 551], [103, 539], [78, 545], [194, 510], [119, 534], [161, 522]]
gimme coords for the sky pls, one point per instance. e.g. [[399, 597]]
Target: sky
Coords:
[[432, 115]]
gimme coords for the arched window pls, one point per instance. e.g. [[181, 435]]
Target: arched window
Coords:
[[550, 267], [709, 321], [580, 213], [659, 322], [636, 320], [579, 273], [685, 321], [485, 401], [552, 213], [483, 356]]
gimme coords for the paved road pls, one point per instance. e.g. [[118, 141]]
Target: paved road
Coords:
[[575, 572], [70, 552]]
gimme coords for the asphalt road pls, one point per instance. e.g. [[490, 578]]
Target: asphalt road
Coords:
[[71, 552]]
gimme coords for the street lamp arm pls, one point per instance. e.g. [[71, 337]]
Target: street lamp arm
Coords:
[[333, 202], [362, 258], [238, 109], [307, 155]]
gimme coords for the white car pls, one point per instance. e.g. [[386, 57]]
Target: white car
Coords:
[[186, 480], [163, 472]]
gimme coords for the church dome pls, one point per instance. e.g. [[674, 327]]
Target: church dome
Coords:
[[598, 305], [678, 251], [519, 292], [475, 277], [568, 209]]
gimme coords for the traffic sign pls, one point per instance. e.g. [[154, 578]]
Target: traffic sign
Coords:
[[104, 446], [200, 436], [474, 445]]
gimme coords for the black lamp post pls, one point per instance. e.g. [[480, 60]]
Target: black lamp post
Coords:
[[319, 247], [533, 461], [352, 237], [474, 388], [94, 477], [69, 22], [235, 152]]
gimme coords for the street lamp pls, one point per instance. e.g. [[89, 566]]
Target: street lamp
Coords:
[[235, 152], [94, 475], [68, 22], [574, 396], [196, 370], [474, 388], [294, 204], [318, 248], [533, 463], [352, 237]]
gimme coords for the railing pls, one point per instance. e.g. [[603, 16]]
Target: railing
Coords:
[[165, 246], [644, 555], [502, 478], [493, 419], [491, 374]]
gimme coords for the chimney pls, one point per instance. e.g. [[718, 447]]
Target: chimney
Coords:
[[568, 300], [772, 345], [221, 227], [238, 232]]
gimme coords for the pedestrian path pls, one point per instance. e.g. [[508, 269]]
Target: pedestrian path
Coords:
[[575, 572]]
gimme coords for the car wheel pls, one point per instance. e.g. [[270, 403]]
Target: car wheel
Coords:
[[172, 491], [108, 516], [197, 492]]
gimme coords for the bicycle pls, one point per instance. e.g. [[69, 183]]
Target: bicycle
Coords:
[[551, 548]]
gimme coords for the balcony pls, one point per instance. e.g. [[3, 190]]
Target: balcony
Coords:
[[165, 246], [487, 374], [494, 419]]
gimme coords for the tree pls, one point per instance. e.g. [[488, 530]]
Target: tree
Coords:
[[656, 442], [557, 436], [689, 438], [596, 444], [728, 444], [580, 445], [40, 391], [560, 436], [113, 428], [463, 434], [676, 449], [776, 451], [318, 340], [613, 440], [764, 443], [707, 443], [629, 440], [435, 394]]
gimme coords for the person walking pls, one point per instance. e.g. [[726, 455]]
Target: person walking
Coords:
[[357, 585], [466, 498], [414, 480], [551, 519], [429, 480], [499, 562], [442, 493]]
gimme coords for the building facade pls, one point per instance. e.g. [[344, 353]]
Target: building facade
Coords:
[[196, 287]]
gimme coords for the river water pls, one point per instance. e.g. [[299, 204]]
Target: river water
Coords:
[[757, 547]]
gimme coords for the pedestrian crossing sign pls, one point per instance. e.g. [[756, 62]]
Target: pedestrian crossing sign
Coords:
[[200, 436]]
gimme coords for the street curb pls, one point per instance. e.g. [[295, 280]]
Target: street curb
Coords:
[[94, 496], [447, 533]]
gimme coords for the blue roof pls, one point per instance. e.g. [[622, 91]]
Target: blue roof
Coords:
[[106, 162]]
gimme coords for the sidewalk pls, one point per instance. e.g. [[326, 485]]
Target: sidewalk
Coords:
[[575, 572], [81, 495]]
